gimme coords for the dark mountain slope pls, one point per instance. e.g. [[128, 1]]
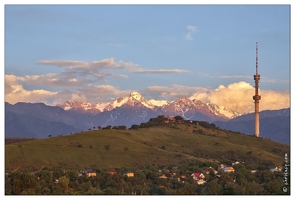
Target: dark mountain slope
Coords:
[[21, 125], [274, 125]]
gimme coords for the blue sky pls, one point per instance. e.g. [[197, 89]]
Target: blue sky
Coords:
[[98, 52]]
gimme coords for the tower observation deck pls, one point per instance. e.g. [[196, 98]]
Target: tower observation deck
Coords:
[[256, 97]]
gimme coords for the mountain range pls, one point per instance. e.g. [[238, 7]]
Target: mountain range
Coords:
[[39, 120]]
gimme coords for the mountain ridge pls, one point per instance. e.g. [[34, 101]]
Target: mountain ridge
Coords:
[[156, 105], [135, 109]]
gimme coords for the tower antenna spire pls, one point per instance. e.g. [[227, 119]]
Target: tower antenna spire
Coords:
[[256, 97], [256, 58]]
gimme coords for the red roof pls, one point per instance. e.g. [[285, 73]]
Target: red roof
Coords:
[[111, 171], [196, 174]]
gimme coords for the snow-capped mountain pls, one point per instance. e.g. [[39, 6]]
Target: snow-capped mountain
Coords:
[[187, 108], [91, 108], [192, 109], [222, 111], [131, 100], [158, 103], [79, 106], [40, 120]]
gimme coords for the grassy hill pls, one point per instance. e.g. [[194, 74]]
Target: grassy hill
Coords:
[[158, 145]]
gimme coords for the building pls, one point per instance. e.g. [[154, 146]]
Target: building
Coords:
[[225, 169], [90, 172], [129, 174], [197, 176], [276, 169], [201, 182], [163, 176], [111, 171], [228, 170]]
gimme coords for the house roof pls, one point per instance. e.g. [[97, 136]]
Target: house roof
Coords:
[[228, 168], [111, 171], [196, 174], [88, 171], [127, 172], [163, 176]]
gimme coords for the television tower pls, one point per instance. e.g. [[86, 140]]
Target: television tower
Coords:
[[256, 97]]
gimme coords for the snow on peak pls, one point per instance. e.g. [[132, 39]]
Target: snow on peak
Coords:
[[158, 102], [221, 110], [135, 95]]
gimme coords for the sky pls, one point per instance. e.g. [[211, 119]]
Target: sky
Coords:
[[96, 53]]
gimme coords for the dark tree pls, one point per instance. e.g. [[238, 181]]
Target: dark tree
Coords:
[[107, 147], [178, 118], [134, 126]]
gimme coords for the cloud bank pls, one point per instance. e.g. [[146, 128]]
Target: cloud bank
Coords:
[[79, 80], [14, 92], [105, 64], [75, 82], [238, 97]]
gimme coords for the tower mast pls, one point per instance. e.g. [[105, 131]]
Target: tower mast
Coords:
[[256, 97]]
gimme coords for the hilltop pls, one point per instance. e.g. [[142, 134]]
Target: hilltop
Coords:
[[156, 144]]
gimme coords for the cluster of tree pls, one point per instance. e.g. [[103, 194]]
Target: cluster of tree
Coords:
[[146, 181], [158, 121]]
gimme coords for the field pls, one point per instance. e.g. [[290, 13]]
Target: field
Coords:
[[157, 145]]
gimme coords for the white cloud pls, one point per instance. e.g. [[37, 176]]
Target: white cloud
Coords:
[[109, 63], [191, 31], [79, 80], [14, 92], [235, 96], [92, 94], [238, 97], [97, 66]]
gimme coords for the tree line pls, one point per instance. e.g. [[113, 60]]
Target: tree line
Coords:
[[146, 181]]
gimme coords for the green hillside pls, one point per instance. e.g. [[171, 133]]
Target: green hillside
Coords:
[[156, 145]]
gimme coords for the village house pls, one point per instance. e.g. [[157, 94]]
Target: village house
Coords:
[[171, 119], [276, 169], [197, 176], [129, 174], [228, 170], [163, 176], [235, 163], [90, 172], [225, 169], [111, 171], [166, 121], [201, 182]]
